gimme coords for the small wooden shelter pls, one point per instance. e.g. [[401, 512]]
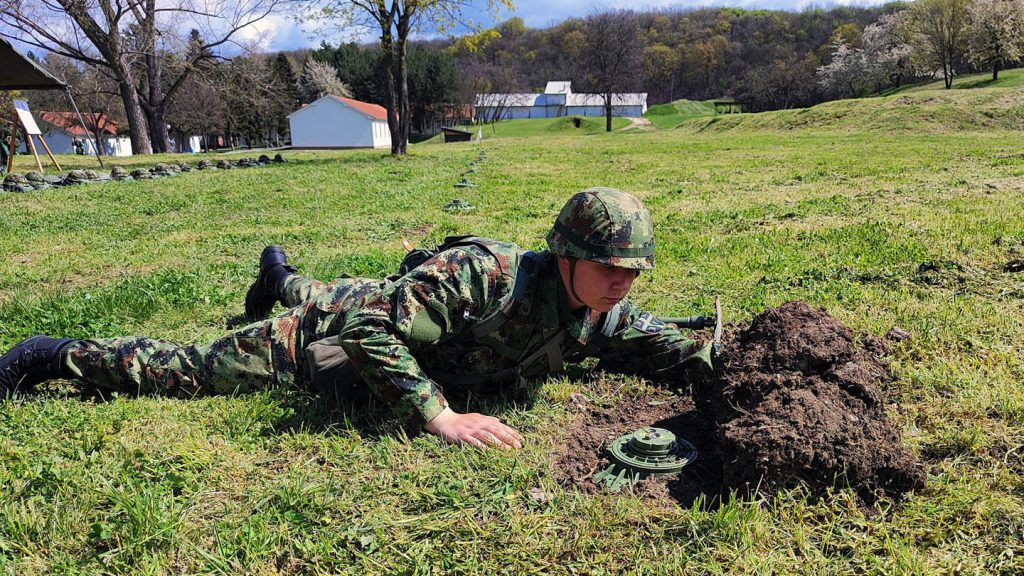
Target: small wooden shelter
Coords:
[[456, 135]]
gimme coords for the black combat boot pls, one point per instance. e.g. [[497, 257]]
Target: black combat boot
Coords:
[[31, 361], [266, 290]]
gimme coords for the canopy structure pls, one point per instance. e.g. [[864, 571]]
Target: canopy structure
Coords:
[[20, 73]]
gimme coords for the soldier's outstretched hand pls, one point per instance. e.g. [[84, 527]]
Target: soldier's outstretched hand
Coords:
[[475, 429]]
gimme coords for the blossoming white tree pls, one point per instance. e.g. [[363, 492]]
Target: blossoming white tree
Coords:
[[996, 34]]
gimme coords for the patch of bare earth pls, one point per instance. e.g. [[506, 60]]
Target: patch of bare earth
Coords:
[[582, 455], [797, 401]]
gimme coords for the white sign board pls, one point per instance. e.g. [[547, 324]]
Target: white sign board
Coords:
[[26, 118]]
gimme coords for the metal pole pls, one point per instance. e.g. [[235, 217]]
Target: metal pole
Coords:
[[99, 157]]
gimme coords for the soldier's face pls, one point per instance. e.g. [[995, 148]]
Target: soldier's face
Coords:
[[597, 286]]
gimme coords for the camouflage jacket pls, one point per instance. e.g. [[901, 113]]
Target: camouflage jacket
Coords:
[[416, 334]]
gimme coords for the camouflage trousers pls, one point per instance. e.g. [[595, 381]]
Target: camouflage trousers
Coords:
[[262, 355]]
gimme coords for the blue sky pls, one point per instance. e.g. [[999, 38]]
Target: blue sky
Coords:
[[281, 33]]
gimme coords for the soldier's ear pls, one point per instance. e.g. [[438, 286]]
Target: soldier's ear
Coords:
[[563, 265]]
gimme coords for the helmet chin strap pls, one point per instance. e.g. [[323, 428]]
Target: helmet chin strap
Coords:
[[572, 280]]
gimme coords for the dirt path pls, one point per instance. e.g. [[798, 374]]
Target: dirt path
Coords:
[[637, 124]]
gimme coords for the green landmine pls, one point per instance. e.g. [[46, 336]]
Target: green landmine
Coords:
[[464, 183], [459, 205], [642, 454]]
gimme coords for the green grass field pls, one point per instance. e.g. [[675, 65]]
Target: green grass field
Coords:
[[670, 115], [1007, 79], [841, 214]]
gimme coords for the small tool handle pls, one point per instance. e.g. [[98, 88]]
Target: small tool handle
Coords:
[[691, 322]]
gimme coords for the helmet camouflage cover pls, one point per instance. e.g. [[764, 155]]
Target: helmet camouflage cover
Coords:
[[606, 226]]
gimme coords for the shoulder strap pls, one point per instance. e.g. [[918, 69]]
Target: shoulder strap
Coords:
[[526, 267], [481, 243]]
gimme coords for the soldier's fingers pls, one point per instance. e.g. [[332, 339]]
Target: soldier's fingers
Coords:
[[475, 442], [488, 438], [506, 435], [511, 432]]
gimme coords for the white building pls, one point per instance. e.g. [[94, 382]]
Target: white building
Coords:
[[335, 122], [557, 100], [62, 129], [186, 144]]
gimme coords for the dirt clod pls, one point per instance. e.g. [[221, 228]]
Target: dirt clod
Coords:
[[897, 334], [797, 400]]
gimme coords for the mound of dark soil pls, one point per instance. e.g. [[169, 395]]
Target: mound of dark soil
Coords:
[[798, 399]]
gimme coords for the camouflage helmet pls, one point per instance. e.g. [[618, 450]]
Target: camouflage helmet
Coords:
[[606, 226]]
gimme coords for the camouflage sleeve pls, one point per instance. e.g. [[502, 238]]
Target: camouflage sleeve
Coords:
[[434, 301], [643, 345]]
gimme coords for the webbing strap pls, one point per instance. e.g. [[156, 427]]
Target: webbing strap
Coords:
[[524, 272], [554, 351]]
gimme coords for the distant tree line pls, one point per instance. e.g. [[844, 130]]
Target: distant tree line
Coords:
[[765, 58]]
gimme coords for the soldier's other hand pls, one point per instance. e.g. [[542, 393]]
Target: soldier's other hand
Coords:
[[475, 429]]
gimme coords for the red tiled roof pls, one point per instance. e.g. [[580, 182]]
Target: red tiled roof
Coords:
[[373, 110], [68, 121]]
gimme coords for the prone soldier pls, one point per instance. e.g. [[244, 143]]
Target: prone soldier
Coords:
[[476, 312]]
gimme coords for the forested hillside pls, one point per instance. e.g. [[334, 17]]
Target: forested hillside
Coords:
[[691, 54]]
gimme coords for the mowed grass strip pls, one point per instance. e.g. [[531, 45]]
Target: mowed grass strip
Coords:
[[914, 233]]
